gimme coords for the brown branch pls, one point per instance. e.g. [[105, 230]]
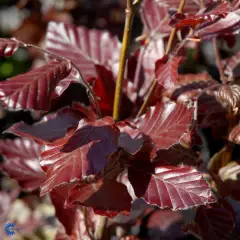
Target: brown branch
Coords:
[[130, 13], [218, 61], [168, 49]]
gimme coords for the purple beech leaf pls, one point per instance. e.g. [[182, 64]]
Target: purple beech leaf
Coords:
[[178, 188], [22, 163], [154, 18], [223, 27], [34, 89], [74, 157], [107, 197], [166, 71], [229, 94], [165, 123], [130, 137], [51, 127], [214, 222], [189, 6], [85, 48], [8, 46]]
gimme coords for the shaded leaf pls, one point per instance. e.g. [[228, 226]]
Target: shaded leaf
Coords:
[[214, 222], [51, 127], [166, 123], [8, 46], [33, 90], [74, 157], [166, 73], [178, 188], [106, 197], [65, 216], [229, 94], [83, 47], [130, 137], [230, 176], [22, 162]]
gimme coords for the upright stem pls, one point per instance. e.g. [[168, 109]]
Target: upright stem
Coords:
[[130, 12], [218, 61], [100, 227], [168, 49]]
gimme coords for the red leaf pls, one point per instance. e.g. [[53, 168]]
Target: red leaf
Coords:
[[130, 138], [51, 127], [106, 197], [33, 90], [234, 135], [65, 216], [154, 17], [178, 188], [8, 46], [22, 162], [167, 72], [226, 26], [74, 156], [83, 47], [189, 6], [209, 14], [214, 222], [165, 123], [66, 82]]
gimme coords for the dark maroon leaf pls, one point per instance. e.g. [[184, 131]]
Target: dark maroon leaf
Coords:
[[22, 162], [51, 127], [83, 47], [178, 188], [164, 224], [130, 137], [177, 155], [211, 113], [166, 73], [141, 165], [230, 176], [214, 222], [229, 94], [106, 197], [8, 46], [74, 157], [166, 123], [65, 216], [33, 90]]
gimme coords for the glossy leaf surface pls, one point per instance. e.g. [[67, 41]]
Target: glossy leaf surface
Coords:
[[33, 90], [22, 163], [166, 123]]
